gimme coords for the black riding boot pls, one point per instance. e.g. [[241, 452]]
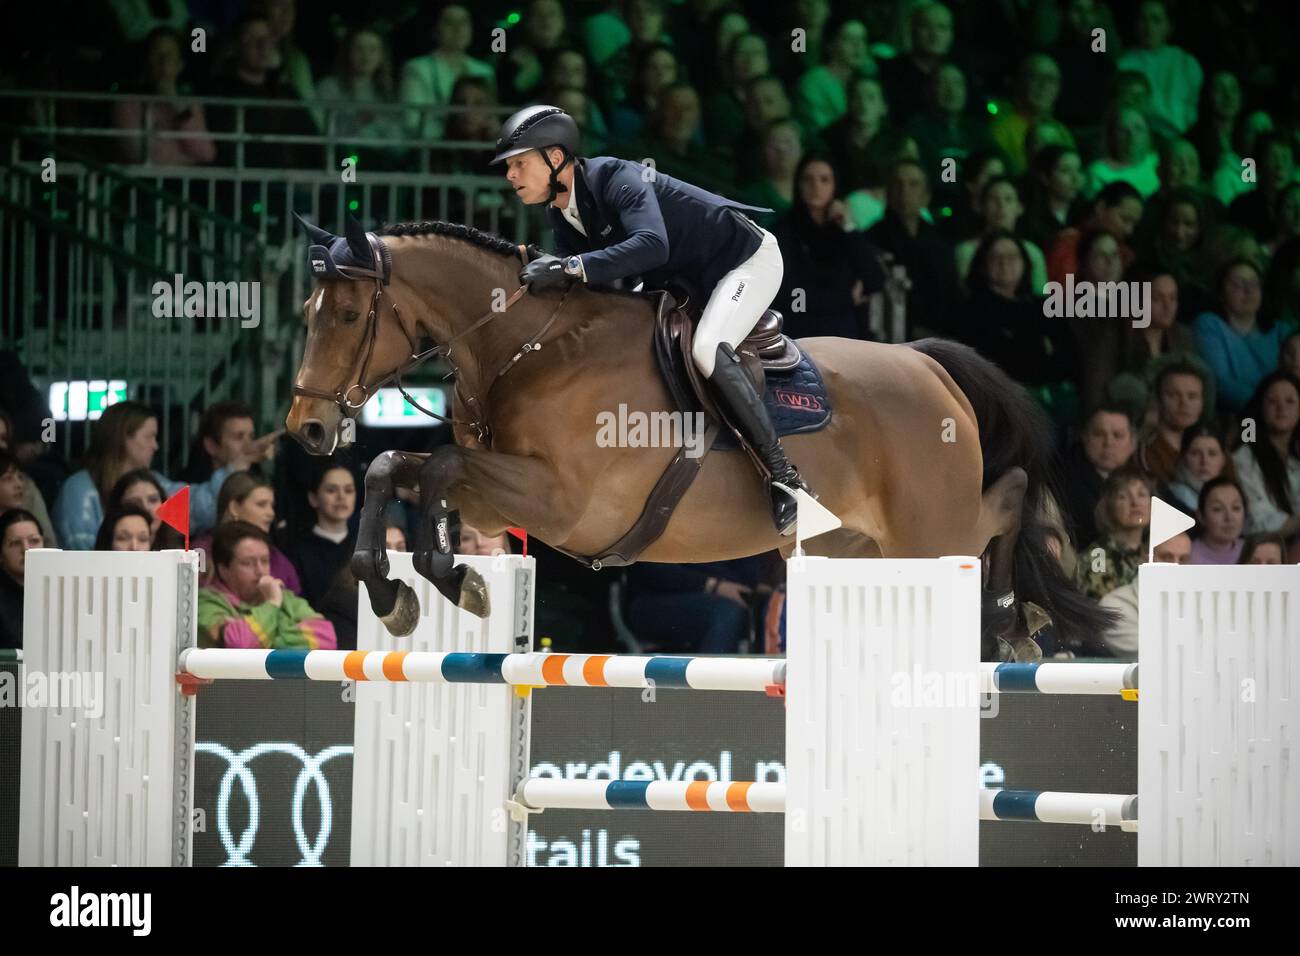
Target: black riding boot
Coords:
[[736, 389]]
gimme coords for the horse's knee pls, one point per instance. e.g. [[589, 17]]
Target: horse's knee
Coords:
[[1007, 493], [379, 476], [1003, 502]]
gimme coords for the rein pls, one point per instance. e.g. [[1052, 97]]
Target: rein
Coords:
[[342, 396]]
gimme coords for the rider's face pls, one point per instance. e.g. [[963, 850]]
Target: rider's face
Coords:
[[529, 177]]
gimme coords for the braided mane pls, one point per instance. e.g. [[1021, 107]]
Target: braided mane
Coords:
[[456, 230]]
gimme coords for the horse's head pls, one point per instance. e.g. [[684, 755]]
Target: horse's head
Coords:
[[356, 337], [367, 324]]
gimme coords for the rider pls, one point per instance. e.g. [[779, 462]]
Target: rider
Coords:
[[615, 219]]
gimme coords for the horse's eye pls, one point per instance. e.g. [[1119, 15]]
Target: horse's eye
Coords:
[[350, 317]]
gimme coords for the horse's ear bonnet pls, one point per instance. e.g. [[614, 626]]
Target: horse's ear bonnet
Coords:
[[339, 256]]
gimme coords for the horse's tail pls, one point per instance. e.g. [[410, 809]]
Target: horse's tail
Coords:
[[1014, 432]]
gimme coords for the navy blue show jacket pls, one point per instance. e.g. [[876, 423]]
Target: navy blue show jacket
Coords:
[[643, 223]]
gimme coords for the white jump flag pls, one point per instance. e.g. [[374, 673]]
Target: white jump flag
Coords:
[[1166, 521], [813, 519]]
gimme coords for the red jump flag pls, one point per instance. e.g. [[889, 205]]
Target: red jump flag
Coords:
[[175, 512], [522, 535]]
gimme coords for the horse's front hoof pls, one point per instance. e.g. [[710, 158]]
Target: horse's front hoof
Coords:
[[401, 621], [1024, 650], [474, 594]]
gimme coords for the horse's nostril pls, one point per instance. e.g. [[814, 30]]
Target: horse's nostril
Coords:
[[313, 431]]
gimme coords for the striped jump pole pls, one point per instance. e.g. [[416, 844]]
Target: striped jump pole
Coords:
[[1034, 806], [603, 670], [530, 670], [1059, 678], [1047, 806], [541, 793]]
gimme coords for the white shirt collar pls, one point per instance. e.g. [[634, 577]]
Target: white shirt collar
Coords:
[[570, 210]]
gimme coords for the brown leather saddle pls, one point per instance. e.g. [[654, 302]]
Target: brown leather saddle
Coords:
[[766, 348]]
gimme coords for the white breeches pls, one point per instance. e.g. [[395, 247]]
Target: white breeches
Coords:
[[738, 302]]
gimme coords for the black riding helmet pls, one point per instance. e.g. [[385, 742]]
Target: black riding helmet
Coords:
[[539, 128]]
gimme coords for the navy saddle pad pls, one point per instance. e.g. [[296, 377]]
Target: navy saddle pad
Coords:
[[796, 400]]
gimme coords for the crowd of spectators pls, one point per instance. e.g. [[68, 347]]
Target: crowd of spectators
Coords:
[[988, 148]]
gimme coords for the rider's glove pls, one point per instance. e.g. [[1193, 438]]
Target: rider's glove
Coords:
[[547, 272]]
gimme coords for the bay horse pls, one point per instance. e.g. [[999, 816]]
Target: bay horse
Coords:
[[931, 449]]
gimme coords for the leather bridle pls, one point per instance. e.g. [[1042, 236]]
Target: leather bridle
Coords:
[[378, 273]]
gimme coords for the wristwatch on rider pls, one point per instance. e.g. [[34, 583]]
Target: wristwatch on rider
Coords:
[[573, 267]]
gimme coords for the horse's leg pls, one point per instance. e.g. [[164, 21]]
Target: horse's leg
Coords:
[[527, 491], [393, 602], [433, 555]]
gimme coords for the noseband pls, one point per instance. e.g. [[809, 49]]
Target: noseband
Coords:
[[381, 267]]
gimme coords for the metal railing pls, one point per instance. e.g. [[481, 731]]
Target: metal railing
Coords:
[[84, 257], [71, 116]]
